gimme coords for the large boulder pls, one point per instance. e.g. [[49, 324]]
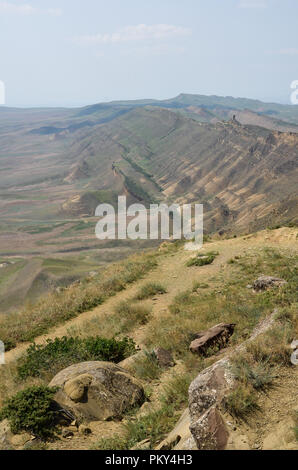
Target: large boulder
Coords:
[[217, 336], [206, 393], [97, 391]]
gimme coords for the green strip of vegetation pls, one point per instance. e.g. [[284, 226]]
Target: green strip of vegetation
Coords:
[[62, 352]]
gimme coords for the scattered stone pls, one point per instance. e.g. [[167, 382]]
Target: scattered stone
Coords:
[[218, 335], [19, 440], [164, 357], [267, 282], [66, 433], [97, 391], [3, 265], [93, 274], [60, 289], [143, 445], [84, 430], [147, 408]]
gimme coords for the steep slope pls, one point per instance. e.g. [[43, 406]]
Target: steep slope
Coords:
[[222, 165], [219, 293]]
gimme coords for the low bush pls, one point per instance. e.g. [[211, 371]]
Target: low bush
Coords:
[[153, 426], [128, 315], [203, 259], [258, 375], [176, 391], [146, 366], [32, 410], [150, 290], [241, 401], [62, 352]]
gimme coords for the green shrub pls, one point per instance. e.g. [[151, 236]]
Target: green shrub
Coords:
[[32, 410], [203, 259], [258, 375], [146, 366], [241, 401], [62, 352], [176, 391], [150, 290]]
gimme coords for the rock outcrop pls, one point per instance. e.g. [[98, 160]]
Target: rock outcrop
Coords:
[[206, 394], [267, 282], [164, 358], [217, 336], [97, 390]]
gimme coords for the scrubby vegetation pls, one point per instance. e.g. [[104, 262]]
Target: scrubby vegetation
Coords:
[[257, 367], [222, 297], [203, 259], [146, 366], [62, 352], [231, 302], [32, 410], [241, 401], [150, 290], [129, 316]]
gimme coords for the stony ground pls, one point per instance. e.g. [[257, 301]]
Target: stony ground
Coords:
[[271, 428]]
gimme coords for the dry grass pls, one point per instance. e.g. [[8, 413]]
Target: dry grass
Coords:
[[231, 302], [149, 290], [58, 307]]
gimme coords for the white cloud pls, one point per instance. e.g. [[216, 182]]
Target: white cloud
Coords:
[[289, 51], [154, 50], [141, 32], [26, 9], [54, 11], [252, 4]]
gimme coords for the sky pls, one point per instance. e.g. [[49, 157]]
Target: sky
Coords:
[[79, 52]]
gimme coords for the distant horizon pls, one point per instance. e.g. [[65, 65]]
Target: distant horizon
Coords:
[[58, 53], [83, 105]]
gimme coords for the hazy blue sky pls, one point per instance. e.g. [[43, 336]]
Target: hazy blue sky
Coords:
[[76, 52]]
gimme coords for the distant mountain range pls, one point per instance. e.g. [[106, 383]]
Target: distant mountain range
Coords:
[[238, 157]]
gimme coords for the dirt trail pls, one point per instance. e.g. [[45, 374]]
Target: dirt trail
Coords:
[[175, 276], [271, 428]]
